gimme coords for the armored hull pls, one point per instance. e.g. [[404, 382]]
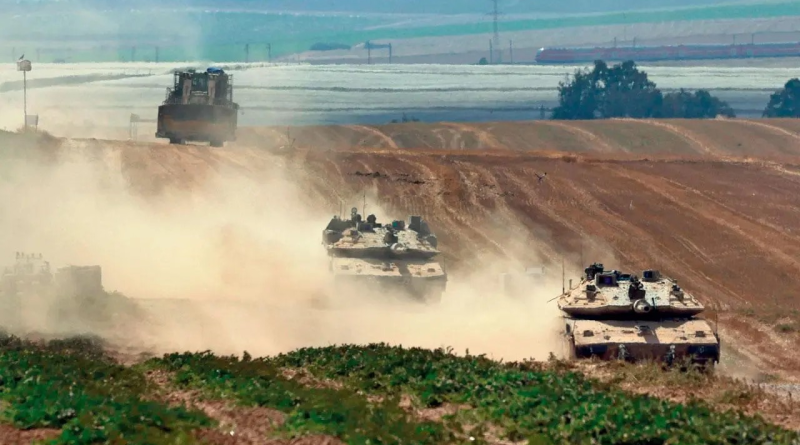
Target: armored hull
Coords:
[[615, 315], [371, 257], [657, 340], [425, 280], [197, 122]]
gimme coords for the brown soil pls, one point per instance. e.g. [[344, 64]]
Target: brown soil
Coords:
[[720, 137], [13, 436], [713, 203]]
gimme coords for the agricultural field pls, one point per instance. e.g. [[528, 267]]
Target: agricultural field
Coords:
[[346, 394], [96, 100]]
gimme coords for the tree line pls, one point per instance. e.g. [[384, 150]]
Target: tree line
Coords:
[[624, 91]]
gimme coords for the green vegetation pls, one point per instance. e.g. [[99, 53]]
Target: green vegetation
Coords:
[[523, 400], [785, 102], [336, 412], [361, 394], [624, 91], [73, 386]]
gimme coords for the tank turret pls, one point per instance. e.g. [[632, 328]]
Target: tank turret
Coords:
[[394, 256], [611, 314]]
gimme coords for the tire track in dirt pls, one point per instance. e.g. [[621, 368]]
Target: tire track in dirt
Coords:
[[653, 248], [533, 204], [777, 230], [683, 134], [618, 229], [586, 135], [504, 213], [732, 221], [772, 128], [375, 132], [485, 137]]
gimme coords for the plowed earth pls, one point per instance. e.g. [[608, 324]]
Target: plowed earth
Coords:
[[715, 204]]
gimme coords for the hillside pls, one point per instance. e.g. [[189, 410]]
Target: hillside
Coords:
[[220, 247], [712, 203]]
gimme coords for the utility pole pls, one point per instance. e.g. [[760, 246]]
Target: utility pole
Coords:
[[24, 65], [133, 53], [390, 54], [491, 53], [369, 53], [496, 41], [269, 52], [157, 49], [511, 51], [246, 53]]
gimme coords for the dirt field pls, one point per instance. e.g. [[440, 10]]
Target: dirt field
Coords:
[[713, 203]]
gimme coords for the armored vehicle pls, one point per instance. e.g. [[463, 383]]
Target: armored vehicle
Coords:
[[611, 314], [367, 255], [199, 107], [29, 273]]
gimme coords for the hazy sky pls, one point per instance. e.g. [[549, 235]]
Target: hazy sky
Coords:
[[392, 6]]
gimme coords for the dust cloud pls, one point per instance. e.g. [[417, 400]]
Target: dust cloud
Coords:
[[236, 263]]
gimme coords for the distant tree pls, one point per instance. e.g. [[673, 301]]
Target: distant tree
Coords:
[[603, 92], [624, 91], [700, 105], [628, 92], [785, 102], [578, 98], [483, 61]]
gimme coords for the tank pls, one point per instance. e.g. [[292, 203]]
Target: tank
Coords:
[[615, 315], [371, 256], [199, 107]]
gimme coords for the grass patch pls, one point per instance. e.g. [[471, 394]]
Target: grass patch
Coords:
[[73, 386], [310, 410], [532, 401]]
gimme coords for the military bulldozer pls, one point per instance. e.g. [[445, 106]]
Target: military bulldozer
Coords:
[[371, 256], [31, 285], [199, 107], [614, 315]]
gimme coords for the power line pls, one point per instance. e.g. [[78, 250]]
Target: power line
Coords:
[[496, 39]]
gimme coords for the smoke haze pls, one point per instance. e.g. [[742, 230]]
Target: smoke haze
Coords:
[[236, 263]]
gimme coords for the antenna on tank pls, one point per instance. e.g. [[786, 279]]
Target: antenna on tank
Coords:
[[563, 291], [364, 209]]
